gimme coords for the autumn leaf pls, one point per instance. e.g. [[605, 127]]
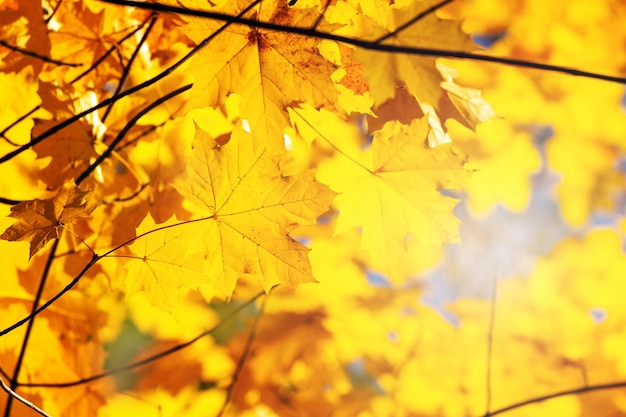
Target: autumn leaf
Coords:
[[161, 270], [309, 151], [248, 209], [268, 69], [39, 221], [392, 191]]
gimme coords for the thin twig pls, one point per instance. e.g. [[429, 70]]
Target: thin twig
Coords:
[[242, 359], [9, 201], [35, 55], [13, 394], [15, 123], [54, 11], [582, 390], [122, 133], [111, 49], [415, 19], [126, 70]]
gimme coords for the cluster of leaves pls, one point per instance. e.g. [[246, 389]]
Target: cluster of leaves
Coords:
[[233, 208]]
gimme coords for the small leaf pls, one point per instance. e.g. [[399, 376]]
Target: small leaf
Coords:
[[39, 221]]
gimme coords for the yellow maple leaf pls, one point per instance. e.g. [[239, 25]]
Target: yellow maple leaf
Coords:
[[391, 191], [268, 69], [39, 221], [162, 270], [248, 209]]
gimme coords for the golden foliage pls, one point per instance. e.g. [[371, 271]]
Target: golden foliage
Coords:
[[298, 208]]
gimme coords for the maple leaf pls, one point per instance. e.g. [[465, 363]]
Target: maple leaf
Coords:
[[249, 210], [39, 221], [392, 191], [162, 270], [268, 69]]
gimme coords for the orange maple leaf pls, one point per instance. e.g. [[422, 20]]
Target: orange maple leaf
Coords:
[[39, 221]]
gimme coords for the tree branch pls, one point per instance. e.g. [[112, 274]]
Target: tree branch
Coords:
[[36, 55], [369, 45], [582, 390], [126, 70]]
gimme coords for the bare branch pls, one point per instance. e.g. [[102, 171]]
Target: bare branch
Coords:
[[36, 55], [440, 53], [582, 390]]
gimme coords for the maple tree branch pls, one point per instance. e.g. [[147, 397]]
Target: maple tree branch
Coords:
[[13, 394], [149, 359], [62, 125], [33, 54], [122, 133], [242, 359], [415, 19], [581, 390], [29, 327], [127, 67], [369, 45]]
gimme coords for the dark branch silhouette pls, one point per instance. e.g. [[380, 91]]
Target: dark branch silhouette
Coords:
[[127, 67], [35, 55], [374, 46], [581, 390]]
